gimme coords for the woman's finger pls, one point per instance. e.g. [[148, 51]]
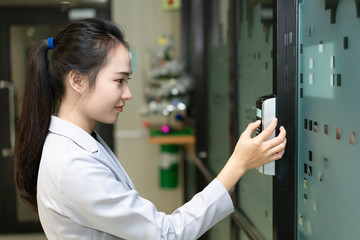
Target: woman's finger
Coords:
[[251, 128], [279, 139], [266, 133], [279, 148], [277, 156]]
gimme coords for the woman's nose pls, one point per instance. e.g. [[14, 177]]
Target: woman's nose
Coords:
[[126, 93]]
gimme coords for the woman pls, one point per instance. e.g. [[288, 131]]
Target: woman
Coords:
[[68, 175]]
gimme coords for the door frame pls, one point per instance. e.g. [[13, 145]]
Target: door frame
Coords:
[[25, 15], [285, 78]]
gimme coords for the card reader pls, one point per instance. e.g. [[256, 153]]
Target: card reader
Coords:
[[266, 111]]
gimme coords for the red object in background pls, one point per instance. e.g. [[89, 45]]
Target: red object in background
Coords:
[[170, 2], [146, 123]]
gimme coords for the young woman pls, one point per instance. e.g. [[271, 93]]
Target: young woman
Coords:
[[68, 175]]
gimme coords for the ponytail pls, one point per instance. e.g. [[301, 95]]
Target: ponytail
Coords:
[[33, 123]]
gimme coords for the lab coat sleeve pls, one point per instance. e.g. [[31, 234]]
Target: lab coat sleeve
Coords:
[[93, 197]]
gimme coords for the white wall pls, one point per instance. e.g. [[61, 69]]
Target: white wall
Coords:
[[143, 22]]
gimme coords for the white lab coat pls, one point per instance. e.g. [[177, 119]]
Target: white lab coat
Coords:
[[83, 192]]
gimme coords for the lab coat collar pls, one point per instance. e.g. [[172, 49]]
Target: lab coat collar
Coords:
[[78, 135]]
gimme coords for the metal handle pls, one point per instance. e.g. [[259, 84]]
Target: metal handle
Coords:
[[9, 152]]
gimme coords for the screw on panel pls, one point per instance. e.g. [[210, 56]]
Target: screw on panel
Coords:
[[346, 42], [338, 80], [338, 133], [332, 79], [320, 176], [311, 79], [332, 62], [315, 205], [315, 126], [352, 138], [321, 46], [309, 228], [311, 31], [305, 197], [326, 129]]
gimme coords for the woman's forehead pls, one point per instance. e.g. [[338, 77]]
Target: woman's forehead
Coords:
[[120, 60]]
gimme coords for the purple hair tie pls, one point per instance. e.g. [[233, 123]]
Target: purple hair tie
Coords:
[[51, 43]]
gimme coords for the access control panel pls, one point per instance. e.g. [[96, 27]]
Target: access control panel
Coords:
[[266, 112]]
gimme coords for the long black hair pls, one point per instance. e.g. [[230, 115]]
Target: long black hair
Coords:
[[83, 46]]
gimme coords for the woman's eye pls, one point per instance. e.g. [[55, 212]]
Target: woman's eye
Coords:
[[122, 80]]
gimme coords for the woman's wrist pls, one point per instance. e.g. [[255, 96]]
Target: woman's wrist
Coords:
[[231, 173]]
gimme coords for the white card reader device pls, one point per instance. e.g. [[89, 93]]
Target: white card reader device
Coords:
[[266, 111]]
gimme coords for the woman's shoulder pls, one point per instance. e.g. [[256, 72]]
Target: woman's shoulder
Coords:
[[65, 134], [62, 150]]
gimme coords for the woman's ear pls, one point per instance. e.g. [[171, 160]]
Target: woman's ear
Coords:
[[77, 81]]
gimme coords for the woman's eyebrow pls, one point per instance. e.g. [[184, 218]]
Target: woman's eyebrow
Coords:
[[123, 73]]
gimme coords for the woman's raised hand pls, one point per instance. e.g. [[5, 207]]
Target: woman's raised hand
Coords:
[[253, 152]]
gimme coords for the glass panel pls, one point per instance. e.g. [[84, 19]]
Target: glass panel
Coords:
[[219, 100], [22, 37], [328, 144], [255, 80]]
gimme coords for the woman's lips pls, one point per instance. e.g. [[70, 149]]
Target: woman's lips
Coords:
[[119, 108]]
